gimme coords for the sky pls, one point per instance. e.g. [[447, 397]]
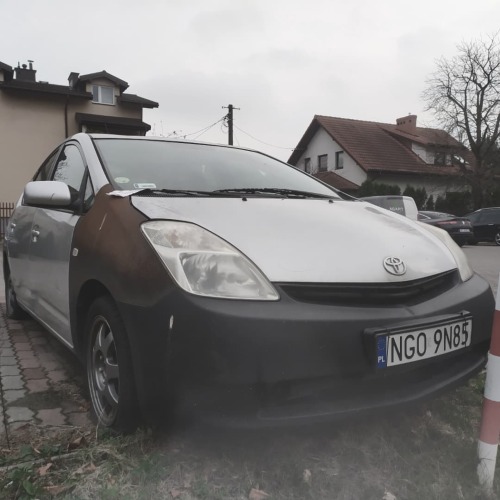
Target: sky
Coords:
[[279, 61]]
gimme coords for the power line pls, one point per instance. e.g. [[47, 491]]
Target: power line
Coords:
[[200, 132], [266, 143]]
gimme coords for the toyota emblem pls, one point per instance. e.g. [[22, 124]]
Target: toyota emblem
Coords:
[[394, 265]]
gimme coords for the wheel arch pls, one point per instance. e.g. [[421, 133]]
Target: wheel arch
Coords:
[[89, 292], [5, 263]]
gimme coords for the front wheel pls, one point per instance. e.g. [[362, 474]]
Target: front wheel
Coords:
[[497, 238], [109, 368]]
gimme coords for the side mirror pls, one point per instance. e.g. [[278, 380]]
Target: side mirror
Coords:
[[47, 193]]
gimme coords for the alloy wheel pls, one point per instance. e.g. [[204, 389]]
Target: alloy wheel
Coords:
[[497, 238], [103, 372]]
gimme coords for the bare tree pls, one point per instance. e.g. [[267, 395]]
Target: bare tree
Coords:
[[464, 94]]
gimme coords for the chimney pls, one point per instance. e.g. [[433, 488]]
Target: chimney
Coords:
[[407, 124], [26, 74], [73, 79]]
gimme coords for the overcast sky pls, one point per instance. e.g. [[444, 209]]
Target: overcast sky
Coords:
[[279, 61]]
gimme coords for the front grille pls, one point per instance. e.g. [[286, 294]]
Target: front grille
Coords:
[[367, 294]]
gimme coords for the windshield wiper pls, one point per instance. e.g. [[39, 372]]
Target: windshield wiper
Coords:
[[291, 193], [182, 192]]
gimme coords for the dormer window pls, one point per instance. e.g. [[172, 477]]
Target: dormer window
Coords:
[[103, 95]]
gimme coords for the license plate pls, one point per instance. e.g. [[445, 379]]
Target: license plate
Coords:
[[465, 230], [398, 347]]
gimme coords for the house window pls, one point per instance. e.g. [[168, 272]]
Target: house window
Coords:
[[103, 95], [307, 165], [440, 158], [323, 163], [339, 160]]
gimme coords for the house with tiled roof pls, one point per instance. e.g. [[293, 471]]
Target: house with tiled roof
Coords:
[[344, 152], [35, 116]]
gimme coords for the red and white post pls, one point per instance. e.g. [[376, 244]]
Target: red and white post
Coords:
[[490, 422]]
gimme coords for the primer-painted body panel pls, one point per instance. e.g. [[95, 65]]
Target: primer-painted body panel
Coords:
[[312, 241]]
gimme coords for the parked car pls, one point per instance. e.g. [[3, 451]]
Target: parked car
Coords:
[[402, 205], [191, 276], [459, 228], [486, 224]]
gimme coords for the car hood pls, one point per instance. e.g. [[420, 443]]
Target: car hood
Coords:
[[311, 241]]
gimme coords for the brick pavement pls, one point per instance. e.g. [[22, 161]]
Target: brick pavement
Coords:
[[42, 383]]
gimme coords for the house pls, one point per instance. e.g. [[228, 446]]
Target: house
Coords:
[[344, 152], [35, 116]]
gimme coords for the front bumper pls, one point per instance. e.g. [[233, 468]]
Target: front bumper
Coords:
[[268, 363]]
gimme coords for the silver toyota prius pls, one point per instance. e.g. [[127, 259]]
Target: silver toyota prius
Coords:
[[217, 281]]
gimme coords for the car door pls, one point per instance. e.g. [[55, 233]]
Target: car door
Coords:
[[50, 248], [19, 235], [490, 223]]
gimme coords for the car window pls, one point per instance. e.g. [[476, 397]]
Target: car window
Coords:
[[88, 197], [70, 168], [137, 164], [491, 217], [45, 170], [474, 217]]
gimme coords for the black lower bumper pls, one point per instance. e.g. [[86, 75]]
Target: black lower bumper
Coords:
[[267, 363]]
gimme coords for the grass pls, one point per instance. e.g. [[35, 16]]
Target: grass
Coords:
[[427, 452]]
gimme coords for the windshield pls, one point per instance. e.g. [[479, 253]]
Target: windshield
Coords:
[[154, 164]]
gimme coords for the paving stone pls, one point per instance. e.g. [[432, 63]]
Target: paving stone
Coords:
[[23, 346], [18, 338], [39, 340], [80, 419], [52, 417], [43, 349], [8, 361], [5, 343], [13, 395], [9, 370], [69, 406], [25, 354], [57, 375], [35, 331], [33, 373], [37, 385], [12, 382], [47, 354], [13, 325], [19, 414], [6, 351], [51, 365], [31, 362]]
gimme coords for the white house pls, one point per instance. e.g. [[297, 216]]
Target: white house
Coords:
[[345, 152]]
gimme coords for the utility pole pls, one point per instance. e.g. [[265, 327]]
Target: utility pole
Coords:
[[229, 117]]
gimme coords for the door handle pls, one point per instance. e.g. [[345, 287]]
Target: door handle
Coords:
[[34, 235]]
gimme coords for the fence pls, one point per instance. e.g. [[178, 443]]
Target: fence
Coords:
[[5, 212]]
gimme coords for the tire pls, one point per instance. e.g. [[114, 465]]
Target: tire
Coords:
[[497, 238], [109, 368], [13, 309]]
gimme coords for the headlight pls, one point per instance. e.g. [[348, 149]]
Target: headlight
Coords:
[[465, 270], [204, 264]]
